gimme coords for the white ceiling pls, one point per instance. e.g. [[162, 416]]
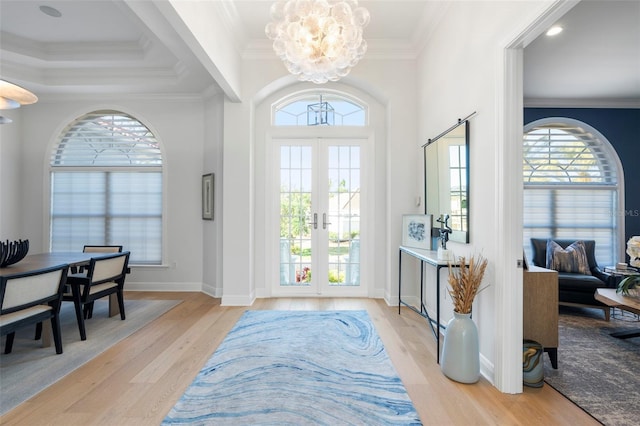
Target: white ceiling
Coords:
[[104, 46], [594, 60]]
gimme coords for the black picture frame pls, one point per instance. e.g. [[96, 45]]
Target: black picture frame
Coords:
[[208, 192]]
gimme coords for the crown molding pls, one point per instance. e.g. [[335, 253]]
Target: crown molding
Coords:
[[99, 97], [432, 15], [581, 103], [75, 51], [99, 80]]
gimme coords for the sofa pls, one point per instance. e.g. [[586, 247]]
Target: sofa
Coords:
[[575, 288]]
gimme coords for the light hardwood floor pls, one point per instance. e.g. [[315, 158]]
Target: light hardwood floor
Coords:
[[137, 381]]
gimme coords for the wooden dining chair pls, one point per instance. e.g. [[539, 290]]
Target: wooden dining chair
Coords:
[[96, 249], [104, 276], [102, 249], [30, 298]]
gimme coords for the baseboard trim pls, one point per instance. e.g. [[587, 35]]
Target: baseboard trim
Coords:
[[238, 300], [155, 286]]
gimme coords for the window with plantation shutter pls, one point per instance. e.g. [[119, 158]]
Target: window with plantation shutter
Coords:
[[571, 186], [106, 186]]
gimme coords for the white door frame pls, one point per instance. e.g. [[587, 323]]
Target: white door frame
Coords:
[[510, 105]]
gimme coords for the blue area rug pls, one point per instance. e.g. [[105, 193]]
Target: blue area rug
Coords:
[[298, 367]]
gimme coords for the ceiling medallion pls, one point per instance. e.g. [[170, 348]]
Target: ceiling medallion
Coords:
[[318, 40]]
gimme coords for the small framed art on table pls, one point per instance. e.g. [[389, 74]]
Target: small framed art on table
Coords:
[[207, 196], [416, 231]]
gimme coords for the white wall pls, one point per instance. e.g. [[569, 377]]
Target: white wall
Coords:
[[212, 230], [11, 186], [180, 127], [462, 71]]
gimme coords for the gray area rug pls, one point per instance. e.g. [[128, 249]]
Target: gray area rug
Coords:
[[30, 368], [598, 372]]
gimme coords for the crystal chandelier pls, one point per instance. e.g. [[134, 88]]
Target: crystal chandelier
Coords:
[[318, 40]]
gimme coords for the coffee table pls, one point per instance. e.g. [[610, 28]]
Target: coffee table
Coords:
[[609, 297]]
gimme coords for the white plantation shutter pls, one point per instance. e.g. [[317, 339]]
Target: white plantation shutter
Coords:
[[106, 187], [108, 139], [570, 187]]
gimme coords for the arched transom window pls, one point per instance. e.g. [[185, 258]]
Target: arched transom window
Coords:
[[558, 153], [319, 109], [570, 185], [106, 186]]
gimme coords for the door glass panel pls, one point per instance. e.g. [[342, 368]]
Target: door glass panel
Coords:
[[344, 215], [295, 215]]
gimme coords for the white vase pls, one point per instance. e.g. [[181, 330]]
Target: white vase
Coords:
[[460, 360]]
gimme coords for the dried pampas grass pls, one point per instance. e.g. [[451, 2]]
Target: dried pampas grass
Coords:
[[464, 282]]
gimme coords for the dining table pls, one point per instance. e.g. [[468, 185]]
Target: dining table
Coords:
[[34, 262]]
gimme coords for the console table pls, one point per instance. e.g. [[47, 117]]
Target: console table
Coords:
[[428, 257]]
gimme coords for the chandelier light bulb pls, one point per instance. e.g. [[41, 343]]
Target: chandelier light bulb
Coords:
[[318, 40]]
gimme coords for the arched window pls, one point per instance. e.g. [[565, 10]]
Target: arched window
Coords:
[[106, 186], [571, 185], [319, 109]]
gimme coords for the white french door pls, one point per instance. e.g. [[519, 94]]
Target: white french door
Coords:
[[320, 198]]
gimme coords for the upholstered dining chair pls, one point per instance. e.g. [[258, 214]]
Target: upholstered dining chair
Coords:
[[104, 276], [102, 249], [96, 249], [31, 298]]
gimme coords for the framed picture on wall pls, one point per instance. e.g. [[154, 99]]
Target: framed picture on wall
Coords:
[[416, 231], [207, 196]]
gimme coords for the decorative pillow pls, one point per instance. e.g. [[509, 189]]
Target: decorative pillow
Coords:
[[572, 259]]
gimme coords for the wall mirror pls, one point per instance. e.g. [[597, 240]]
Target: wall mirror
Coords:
[[446, 173]]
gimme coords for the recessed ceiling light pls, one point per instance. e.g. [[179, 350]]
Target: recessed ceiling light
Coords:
[[554, 30], [48, 10]]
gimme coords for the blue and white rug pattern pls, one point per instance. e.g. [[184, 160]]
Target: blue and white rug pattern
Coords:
[[298, 367]]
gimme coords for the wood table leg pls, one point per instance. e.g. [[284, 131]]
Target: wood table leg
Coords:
[[114, 308], [47, 334]]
